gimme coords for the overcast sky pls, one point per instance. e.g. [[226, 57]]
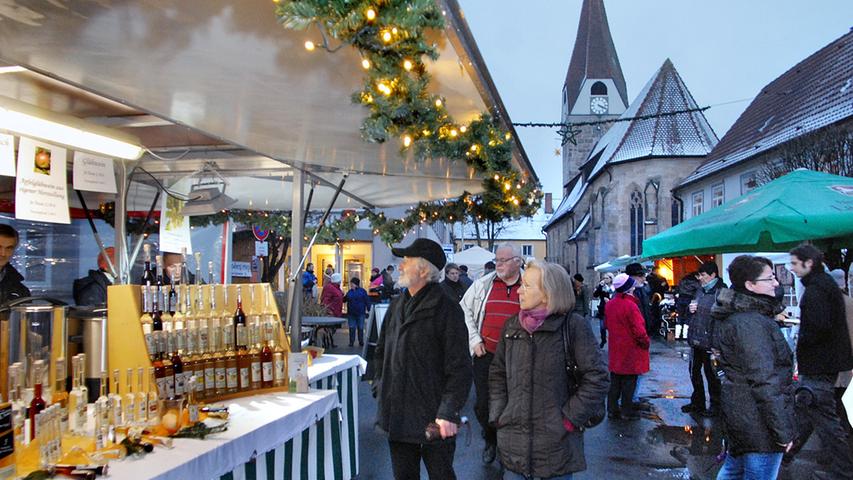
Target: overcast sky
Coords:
[[725, 50]]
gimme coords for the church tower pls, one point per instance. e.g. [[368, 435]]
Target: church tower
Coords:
[[594, 88]]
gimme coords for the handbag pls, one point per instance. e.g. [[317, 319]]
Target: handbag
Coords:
[[575, 379]]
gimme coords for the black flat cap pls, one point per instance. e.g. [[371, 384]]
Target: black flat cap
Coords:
[[635, 269], [424, 248]]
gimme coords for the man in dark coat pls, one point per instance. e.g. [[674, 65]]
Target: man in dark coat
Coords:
[[423, 368], [464, 279], [823, 350], [11, 282], [699, 337], [91, 290], [643, 293]]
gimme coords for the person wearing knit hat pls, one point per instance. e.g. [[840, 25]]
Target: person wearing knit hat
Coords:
[[628, 355]]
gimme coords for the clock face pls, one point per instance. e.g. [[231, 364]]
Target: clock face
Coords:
[[598, 105]]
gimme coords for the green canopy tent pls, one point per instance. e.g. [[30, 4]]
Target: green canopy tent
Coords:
[[802, 205], [619, 263]]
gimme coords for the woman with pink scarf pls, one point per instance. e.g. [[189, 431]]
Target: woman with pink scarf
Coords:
[[539, 418]]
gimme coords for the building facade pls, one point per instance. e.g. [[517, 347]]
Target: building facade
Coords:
[[621, 173]]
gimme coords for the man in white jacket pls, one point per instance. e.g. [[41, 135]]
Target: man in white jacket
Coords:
[[487, 305]]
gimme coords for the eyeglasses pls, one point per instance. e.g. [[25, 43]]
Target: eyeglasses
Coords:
[[504, 260], [771, 278]]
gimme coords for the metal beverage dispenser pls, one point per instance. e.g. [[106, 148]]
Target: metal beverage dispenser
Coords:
[[32, 328]]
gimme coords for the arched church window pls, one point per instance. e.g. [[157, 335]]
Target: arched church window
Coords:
[[637, 222], [598, 88]]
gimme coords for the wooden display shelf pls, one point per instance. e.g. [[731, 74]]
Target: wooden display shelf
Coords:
[[126, 343]]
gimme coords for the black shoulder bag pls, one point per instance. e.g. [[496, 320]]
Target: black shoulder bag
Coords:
[[575, 379]]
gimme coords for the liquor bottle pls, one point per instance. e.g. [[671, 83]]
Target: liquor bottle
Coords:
[[130, 401], [240, 320], [19, 410], [177, 368], [83, 388], [148, 279], [153, 416], [253, 317], [156, 317], [197, 268], [192, 404], [202, 355], [244, 361], [185, 273], [141, 400], [211, 382], [219, 370], [76, 401], [102, 415], [232, 371], [161, 284], [37, 405], [116, 409], [267, 358], [256, 379], [145, 320], [60, 394], [172, 300]]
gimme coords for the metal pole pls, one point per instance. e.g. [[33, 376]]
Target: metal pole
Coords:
[[296, 231], [120, 224], [98, 240]]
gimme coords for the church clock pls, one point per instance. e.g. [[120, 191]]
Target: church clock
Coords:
[[598, 105]]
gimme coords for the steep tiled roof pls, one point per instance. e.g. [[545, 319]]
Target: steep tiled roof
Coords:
[[581, 228], [679, 135], [576, 189], [813, 94], [594, 55]]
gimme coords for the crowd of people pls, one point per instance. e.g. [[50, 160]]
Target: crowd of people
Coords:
[[540, 376]]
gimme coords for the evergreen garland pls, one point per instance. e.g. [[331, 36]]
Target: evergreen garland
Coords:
[[390, 36]]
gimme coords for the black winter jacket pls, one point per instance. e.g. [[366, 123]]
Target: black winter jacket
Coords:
[[701, 322], [823, 347], [423, 368], [644, 300], [757, 393], [454, 290], [91, 290], [12, 286], [529, 396]]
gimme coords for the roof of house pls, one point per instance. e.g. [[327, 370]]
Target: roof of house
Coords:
[[594, 55], [813, 94], [576, 189]]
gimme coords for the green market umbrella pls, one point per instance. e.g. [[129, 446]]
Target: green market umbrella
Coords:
[[802, 205]]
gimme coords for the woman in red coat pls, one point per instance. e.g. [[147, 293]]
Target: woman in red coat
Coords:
[[332, 297], [629, 347]]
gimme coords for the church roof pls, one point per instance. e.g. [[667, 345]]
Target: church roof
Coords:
[[594, 55], [576, 189], [660, 135], [813, 94]]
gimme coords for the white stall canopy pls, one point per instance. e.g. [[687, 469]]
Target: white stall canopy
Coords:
[[200, 81]]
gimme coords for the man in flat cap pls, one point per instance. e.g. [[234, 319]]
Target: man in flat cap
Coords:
[[423, 369]]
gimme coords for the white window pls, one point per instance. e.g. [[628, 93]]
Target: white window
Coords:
[[718, 195], [748, 182], [527, 250], [698, 203]]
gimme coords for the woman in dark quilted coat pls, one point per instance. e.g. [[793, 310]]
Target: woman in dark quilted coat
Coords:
[[757, 366], [538, 419]]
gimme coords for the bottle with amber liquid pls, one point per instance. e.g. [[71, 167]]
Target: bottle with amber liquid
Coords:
[[60, 394], [256, 379], [37, 404]]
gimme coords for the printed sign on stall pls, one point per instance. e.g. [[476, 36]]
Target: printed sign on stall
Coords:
[[41, 192], [93, 173], [7, 155], [174, 227], [262, 249], [241, 269]]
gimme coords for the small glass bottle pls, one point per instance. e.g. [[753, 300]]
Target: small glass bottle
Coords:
[[83, 388], [37, 405], [129, 401], [193, 406], [153, 416], [256, 379], [141, 401], [60, 394], [267, 358], [102, 414], [76, 401], [232, 372], [116, 410]]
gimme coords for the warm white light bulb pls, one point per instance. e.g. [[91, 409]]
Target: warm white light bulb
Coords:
[[365, 64], [370, 14], [309, 45], [407, 64]]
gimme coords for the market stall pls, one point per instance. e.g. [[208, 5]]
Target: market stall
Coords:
[[191, 106]]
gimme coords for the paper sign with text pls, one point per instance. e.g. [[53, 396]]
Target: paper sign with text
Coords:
[[41, 191], [7, 155], [93, 173], [174, 227]]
